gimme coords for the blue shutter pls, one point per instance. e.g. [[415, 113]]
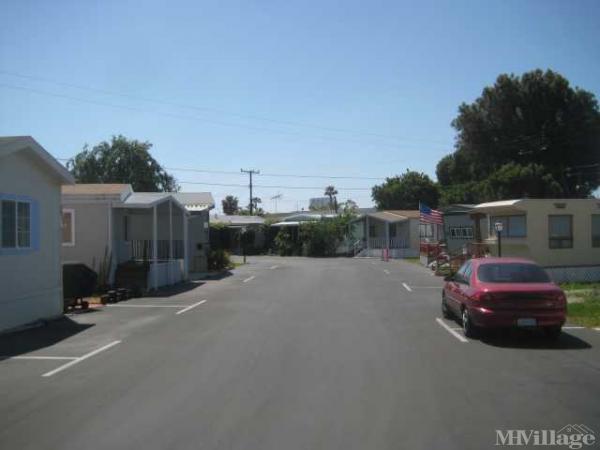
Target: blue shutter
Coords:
[[35, 225]]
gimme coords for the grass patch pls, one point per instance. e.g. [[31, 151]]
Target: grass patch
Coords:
[[586, 313], [579, 285]]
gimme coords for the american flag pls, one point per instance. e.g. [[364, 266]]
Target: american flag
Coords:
[[428, 215]]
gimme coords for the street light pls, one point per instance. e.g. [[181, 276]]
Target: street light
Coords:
[[498, 226]]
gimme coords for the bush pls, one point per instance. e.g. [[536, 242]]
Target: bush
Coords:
[[321, 238], [285, 244], [219, 260]]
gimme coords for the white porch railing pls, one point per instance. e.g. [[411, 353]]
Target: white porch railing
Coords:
[[141, 249], [167, 273], [396, 242]]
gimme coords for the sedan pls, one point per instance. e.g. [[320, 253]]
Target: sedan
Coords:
[[503, 293]]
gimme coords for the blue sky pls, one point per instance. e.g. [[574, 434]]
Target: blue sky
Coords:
[[345, 88]]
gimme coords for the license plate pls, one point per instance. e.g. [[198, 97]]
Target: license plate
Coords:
[[526, 322]]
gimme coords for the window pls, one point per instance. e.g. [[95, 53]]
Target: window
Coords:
[[595, 230], [512, 273], [68, 227], [15, 224], [393, 232], [560, 231], [461, 232], [464, 273], [426, 230], [512, 226]]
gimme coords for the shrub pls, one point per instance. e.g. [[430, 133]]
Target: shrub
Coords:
[[219, 260]]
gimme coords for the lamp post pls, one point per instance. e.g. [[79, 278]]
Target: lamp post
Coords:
[[498, 226]]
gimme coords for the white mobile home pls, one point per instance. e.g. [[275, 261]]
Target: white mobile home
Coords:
[[30, 269]]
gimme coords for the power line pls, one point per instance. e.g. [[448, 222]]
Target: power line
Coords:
[[279, 175], [195, 118], [216, 110], [265, 186]]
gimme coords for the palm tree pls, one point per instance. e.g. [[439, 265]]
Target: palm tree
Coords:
[[230, 205], [331, 192]]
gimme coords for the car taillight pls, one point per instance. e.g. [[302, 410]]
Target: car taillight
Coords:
[[561, 299], [485, 298]]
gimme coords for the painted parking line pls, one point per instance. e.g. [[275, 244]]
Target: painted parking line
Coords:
[[450, 330], [191, 307], [249, 279], [42, 358], [274, 267], [80, 359], [145, 306], [407, 287], [387, 272], [573, 328]]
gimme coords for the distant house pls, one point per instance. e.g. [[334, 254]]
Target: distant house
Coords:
[[397, 230], [235, 225], [30, 269], [562, 235], [111, 224], [460, 226]]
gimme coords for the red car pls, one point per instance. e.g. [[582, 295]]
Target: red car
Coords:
[[502, 293]]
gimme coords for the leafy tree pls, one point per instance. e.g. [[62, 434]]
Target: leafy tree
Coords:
[[528, 135], [331, 192], [230, 205], [350, 207], [406, 191], [256, 210], [122, 161]]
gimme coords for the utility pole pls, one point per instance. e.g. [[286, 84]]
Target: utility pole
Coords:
[[251, 172]]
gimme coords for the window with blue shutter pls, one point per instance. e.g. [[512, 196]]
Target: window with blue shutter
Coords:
[[19, 224]]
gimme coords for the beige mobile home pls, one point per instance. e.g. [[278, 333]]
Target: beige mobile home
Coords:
[[562, 235], [30, 269], [109, 224]]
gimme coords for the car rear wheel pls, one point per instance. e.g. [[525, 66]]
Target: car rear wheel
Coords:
[[553, 333], [446, 313], [469, 329]]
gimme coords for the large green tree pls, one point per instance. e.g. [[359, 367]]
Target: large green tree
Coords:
[[526, 136], [406, 191], [122, 161]]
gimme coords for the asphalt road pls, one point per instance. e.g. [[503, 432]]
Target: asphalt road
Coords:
[[290, 353]]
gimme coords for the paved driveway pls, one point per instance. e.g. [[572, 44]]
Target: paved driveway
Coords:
[[291, 353]]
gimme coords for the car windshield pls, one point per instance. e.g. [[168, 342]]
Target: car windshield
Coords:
[[512, 273]]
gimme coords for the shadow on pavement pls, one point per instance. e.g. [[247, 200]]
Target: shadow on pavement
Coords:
[[533, 339], [213, 275], [17, 343], [175, 289]]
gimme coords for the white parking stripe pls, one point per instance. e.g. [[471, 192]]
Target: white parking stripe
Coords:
[[52, 358], [249, 279], [145, 306], [573, 328], [81, 358], [387, 272], [407, 287], [458, 336], [191, 307], [274, 267]]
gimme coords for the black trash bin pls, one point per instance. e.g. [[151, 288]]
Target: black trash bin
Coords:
[[79, 281]]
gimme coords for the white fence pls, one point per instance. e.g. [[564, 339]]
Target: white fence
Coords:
[[167, 273], [396, 242]]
